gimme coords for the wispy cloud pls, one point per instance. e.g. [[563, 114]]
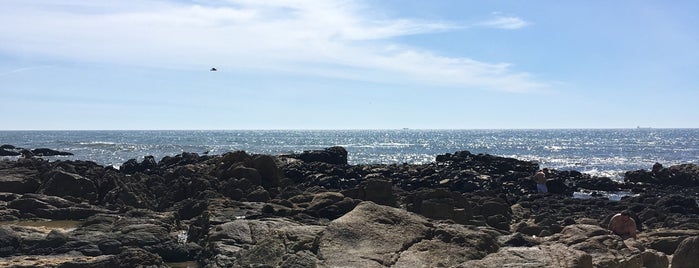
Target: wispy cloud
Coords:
[[23, 69], [500, 21], [339, 38]]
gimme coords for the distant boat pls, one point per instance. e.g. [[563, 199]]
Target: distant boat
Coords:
[[213, 69], [640, 127]]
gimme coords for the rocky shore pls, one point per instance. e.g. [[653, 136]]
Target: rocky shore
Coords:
[[314, 210]]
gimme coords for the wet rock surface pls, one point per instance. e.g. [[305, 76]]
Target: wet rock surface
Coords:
[[314, 210]]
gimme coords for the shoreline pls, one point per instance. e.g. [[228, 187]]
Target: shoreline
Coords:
[[302, 206]]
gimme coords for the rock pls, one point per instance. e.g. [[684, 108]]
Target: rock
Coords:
[[144, 234], [48, 152], [300, 259], [654, 259], [554, 255], [69, 260], [440, 209], [5, 152], [606, 249], [65, 184], [132, 166], [334, 155], [665, 241], [330, 205], [269, 242], [371, 235], [9, 241], [683, 175], [258, 195], [247, 173], [19, 180], [135, 257], [687, 253], [450, 245], [268, 170], [379, 191]]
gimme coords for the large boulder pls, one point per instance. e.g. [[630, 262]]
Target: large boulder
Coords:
[[132, 166], [334, 155], [683, 175], [665, 241], [555, 255], [19, 180], [9, 241], [606, 249], [267, 167], [687, 253], [373, 235], [274, 242], [6, 152], [64, 184], [377, 190]]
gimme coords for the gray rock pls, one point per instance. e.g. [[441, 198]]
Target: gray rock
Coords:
[[68, 184], [9, 241], [687, 253], [373, 235], [19, 180], [544, 256], [606, 249]]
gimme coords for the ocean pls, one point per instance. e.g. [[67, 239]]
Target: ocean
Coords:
[[600, 152]]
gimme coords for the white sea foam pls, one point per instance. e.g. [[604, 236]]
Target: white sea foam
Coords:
[[97, 143], [617, 175]]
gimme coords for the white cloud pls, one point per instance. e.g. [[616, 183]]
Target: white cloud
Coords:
[[504, 22], [314, 37]]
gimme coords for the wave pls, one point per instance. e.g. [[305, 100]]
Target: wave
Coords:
[[97, 143]]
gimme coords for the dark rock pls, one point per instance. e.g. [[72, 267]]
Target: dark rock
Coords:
[[682, 175], [5, 152], [191, 208], [258, 195], [7, 146], [136, 257], [109, 246], [654, 259], [65, 184], [9, 241], [48, 152], [250, 174], [379, 191], [267, 167], [132, 166], [687, 253], [519, 240], [334, 155], [19, 180]]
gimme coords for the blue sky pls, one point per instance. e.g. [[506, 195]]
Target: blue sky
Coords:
[[344, 64]]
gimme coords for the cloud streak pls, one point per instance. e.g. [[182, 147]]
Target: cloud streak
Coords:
[[23, 69], [504, 22], [342, 38]]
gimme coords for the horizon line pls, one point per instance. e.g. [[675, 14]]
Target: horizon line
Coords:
[[352, 129]]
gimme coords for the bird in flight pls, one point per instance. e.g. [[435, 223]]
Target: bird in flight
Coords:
[[213, 69]]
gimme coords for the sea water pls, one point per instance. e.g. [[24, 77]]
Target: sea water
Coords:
[[600, 152]]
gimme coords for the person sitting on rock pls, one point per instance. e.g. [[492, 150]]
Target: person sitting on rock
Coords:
[[540, 179], [623, 225]]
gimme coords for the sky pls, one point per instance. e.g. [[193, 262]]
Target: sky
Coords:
[[348, 64]]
